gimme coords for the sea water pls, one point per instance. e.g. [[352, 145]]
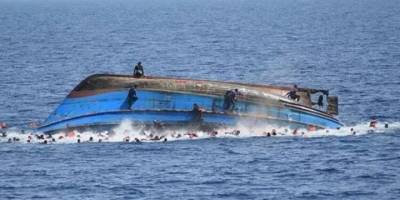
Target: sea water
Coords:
[[350, 47]]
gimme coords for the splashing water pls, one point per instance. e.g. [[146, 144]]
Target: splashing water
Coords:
[[127, 132]]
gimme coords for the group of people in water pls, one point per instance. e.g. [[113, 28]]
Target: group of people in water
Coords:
[[154, 133]]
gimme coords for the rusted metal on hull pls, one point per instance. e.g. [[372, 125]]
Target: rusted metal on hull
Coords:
[[258, 93]]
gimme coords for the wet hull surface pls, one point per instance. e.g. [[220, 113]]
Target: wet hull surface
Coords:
[[111, 108]]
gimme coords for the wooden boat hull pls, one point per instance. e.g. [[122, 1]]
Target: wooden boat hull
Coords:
[[104, 102]]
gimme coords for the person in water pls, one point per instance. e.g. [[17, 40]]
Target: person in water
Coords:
[[3, 125], [352, 131], [157, 125], [213, 133], [131, 98], [138, 70], [3, 132], [373, 123]]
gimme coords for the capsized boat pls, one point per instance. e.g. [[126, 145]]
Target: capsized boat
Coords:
[[104, 101]]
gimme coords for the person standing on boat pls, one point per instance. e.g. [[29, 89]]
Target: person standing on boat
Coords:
[[131, 96], [138, 70], [321, 101]]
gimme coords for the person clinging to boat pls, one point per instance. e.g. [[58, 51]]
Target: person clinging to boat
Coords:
[[138, 70], [197, 113], [292, 94], [230, 99], [131, 96]]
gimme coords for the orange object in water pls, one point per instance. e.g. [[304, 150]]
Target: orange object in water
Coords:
[[3, 125], [311, 128], [70, 134]]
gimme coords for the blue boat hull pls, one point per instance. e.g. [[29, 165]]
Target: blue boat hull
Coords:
[[110, 108]]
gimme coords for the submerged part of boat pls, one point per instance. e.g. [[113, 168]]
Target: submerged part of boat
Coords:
[[103, 101]]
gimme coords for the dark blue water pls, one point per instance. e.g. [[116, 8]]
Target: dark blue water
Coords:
[[350, 47]]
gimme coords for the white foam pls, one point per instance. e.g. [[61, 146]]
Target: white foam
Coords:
[[128, 131]]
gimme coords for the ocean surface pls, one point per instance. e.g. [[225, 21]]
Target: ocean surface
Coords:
[[350, 47]]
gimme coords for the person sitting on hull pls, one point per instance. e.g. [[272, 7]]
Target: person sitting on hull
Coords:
[[138, 70], [131, 98], [293, 94]]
